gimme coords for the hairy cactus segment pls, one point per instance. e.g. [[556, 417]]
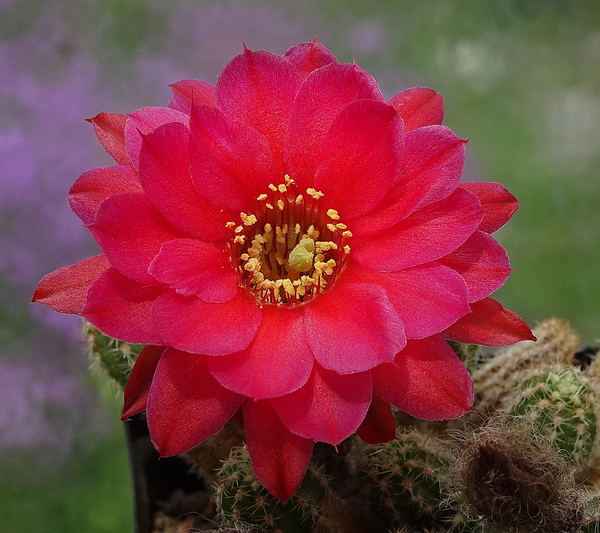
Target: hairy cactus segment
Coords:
[[113, 357], [561, 405], [516, 482], [241, 499]]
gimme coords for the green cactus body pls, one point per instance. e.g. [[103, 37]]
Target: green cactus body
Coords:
[[561, 403], [402, 478], [507, 369], [111, 356], [241, 499]]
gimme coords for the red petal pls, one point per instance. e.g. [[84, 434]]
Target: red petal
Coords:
[[353, 328], [490, 325], [427, 380], [359, 158], [145, 121], [418, 107], [378, 426], [321, 97], [186, 92], [276, 363], [258, 88], [428, 298], [307, 57], [96, 185], [231, 163], [499, 205], [329, 408], [279, 458], [110, 130], [426, 235], [130, 231], [65, 289], [431, 166], [195, 268], [483, 264], [165, 176], [120, 307], [186, 405], [138, 384], [191, 324]]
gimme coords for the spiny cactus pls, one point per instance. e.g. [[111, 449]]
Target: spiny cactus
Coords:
[[555, 346], [113, 357], [402, 479], [469, 354], [241, 499], [561, 404]]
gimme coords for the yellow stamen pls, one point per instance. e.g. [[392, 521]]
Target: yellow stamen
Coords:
[[333, 214]]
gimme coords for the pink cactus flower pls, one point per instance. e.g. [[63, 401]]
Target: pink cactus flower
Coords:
[[290, 245]]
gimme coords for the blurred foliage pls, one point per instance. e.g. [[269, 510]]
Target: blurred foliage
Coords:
[[90, 493]]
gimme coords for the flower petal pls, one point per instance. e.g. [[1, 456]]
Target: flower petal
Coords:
[[186, 405], [145, 121], [195, 268], [432, 163], [130, 231], [428, 298], [418, 107], [378, 426], [165, 176], [499, 205], [276, 363], [324, 93], [279, 458], [193, 325], [430, 233], [139, 382], [307, 57], [65, 289], [258, 88], [483, 264], [97, 184], [188, 92], [120, 308], [353, 328], [490, 324], [110, 130], [359, 158], [231, 163], [329, 408], [427, 380]]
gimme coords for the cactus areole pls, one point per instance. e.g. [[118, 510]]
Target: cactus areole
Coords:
[[291, 245]]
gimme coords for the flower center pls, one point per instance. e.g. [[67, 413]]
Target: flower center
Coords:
[[289, 250]]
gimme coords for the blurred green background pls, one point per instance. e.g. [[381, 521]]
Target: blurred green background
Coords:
[[520, 78]]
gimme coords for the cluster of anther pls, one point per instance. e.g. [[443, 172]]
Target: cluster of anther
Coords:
[[289, 250]]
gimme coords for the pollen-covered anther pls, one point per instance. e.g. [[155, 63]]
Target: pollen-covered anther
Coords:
[[333, 214], [248, 220], [314, 193]]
